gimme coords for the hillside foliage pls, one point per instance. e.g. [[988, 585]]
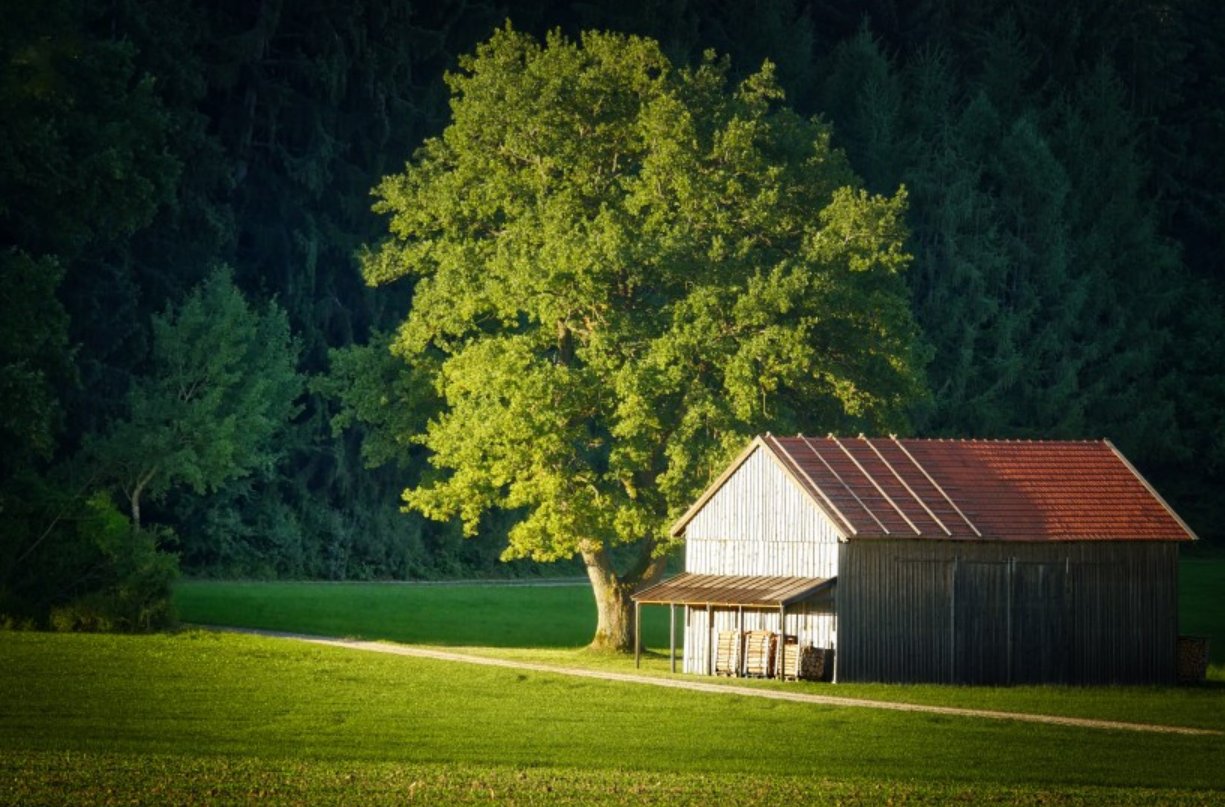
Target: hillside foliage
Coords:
[[1065, 214]]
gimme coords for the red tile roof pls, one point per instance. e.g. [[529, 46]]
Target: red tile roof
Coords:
[[972, 489]]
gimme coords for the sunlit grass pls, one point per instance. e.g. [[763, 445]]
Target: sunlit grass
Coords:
[[550, 625], [83, 713], [74, 778], [201, 717]]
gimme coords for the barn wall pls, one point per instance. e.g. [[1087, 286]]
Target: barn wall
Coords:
[[962, 612], [761, 523], [811, 623]]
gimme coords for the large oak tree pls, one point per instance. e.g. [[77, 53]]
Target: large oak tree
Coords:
[[624, 268]]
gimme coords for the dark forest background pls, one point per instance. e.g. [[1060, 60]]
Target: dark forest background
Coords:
[[174, 166]]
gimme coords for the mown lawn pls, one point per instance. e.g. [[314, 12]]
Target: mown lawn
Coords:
[[458, 615], [551, 624], [200, 717], [1201, 604], [204, 717]]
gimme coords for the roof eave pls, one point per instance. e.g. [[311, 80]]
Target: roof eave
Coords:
[[841, 528], [1139, 476], [678, 528], [810, 593]]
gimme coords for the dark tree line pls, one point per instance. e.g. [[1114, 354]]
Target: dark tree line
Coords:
[[1064, 163]]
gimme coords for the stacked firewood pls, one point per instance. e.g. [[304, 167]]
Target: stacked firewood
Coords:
[[759, 654], [804, 661], [1192, 658]]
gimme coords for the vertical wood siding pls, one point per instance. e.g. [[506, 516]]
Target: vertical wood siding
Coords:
[[962, 612], [761, 523]]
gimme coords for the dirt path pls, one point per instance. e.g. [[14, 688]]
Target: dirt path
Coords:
[[721, 689]]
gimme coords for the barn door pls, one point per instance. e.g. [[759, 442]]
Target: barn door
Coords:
[[1041, 652], [980, 625]]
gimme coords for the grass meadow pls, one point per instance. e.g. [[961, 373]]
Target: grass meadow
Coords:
[[200, 717]]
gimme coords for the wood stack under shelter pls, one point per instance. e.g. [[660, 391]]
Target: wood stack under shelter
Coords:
[[742, 618]]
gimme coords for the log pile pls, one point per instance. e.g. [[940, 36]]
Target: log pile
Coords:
[[805, 661], [754, 654], [1192, 659]]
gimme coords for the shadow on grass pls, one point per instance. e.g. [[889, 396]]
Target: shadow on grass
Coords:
[[469, 615]]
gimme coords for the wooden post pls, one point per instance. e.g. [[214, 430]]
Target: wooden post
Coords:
[[739, 641], [799, 636], [710, 640], [672, 635], [833, 640], [637, 634], [782, 640]]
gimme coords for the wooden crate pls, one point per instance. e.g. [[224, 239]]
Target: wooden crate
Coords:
[[727, 653], [759, 651]]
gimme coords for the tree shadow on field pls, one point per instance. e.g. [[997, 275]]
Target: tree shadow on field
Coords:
[[547, 615]]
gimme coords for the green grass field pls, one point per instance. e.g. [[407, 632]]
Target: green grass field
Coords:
[[113, 717], [1201, 607], [550, 616], [199, 717]]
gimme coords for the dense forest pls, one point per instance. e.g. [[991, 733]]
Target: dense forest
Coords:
[[194, 375]]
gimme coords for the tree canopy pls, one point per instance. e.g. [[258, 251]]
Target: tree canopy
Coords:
[[1064, 167], [222, 385], [623, 269]]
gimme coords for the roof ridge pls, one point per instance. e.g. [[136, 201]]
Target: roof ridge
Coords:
[[1007, 440], [1001, 488]]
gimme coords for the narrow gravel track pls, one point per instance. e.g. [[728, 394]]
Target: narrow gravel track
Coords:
[[719, 689]]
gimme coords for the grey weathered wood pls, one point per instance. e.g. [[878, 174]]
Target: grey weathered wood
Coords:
[[710, 640], [671, 637], [978, 612], [782, 639], [761, 523]]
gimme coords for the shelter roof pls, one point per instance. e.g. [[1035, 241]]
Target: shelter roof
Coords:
[[721, 589], [1008, 490]]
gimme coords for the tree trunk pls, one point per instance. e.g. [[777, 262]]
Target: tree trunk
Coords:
[[135, 502], [137, 490], [614, 608]]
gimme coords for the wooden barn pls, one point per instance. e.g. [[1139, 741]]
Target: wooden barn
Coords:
[[961, 561]]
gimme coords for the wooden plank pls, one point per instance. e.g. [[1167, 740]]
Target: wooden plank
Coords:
[[1075, 612], [727, 653], [672, 636], [876, 485], [762, 522]]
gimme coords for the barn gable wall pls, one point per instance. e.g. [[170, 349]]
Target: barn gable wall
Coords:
[[972, 612], [761, 523]]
